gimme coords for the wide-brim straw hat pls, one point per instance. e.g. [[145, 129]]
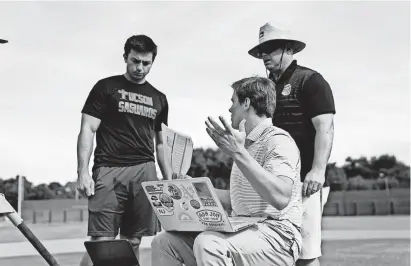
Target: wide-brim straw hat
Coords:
[[271, 33]]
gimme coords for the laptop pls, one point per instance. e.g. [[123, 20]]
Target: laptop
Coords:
[[192, 205], [111, 252]]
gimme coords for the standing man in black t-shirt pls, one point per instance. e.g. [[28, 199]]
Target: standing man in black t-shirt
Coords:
[[125, 112], [305, 108]]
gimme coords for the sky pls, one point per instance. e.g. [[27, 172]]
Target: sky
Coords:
[[58, 50]]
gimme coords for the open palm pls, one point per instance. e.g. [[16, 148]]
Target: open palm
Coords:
[[228, 139]]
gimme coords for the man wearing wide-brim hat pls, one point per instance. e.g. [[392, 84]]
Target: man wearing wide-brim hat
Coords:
[[305, 108]]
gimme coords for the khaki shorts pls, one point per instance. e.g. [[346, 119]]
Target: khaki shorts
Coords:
[[120, 204], [263, 244], [311, 226]]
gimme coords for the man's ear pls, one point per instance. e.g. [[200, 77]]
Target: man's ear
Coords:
[[125, 58], [247, 103]]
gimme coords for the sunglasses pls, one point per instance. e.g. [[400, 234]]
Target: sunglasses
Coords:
[[269, 47]]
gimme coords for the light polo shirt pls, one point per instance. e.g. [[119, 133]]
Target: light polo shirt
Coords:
[[275, 150]]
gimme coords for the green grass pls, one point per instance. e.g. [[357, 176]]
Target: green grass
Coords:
[[366, 253], [79, 230]]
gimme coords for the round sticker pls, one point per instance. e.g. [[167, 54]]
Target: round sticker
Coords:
[[157, 204], [195, 204], [174, 191], [166, 200]]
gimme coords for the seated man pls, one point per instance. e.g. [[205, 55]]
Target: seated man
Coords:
[[264, 182]]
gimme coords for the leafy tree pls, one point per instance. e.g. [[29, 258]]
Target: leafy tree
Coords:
[[9, 189], [213, 164], [198, 164], [70, 190], [357, 173], [360, 166], [57, 189], [383, 162], [359, 183], [336, 177], [40, 192]]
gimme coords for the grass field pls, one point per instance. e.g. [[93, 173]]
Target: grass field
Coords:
[[336, 253], [79, 230]]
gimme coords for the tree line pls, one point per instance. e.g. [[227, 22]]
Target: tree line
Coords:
[[376, 173], [382, 172]]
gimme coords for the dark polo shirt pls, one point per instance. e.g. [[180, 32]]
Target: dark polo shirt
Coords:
[[302, 94]]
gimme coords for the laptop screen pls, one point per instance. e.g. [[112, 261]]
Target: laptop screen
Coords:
[[111, 253]]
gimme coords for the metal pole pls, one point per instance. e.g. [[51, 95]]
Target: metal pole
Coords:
[[20, 193], [14, 217]]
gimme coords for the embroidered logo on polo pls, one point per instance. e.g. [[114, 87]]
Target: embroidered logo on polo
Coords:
[[138, 104], [287, 90]]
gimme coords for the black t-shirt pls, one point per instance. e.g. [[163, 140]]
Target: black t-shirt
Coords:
[[302, 94], [130, 115]]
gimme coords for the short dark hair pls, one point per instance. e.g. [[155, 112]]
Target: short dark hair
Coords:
[[260, 91], [141, 44]]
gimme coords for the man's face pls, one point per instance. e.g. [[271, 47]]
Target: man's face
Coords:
[[237, 111], [138, 65], [271, 56]]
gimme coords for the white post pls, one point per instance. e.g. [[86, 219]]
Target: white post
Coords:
[[387, 187], [20, 193], [76, 195]]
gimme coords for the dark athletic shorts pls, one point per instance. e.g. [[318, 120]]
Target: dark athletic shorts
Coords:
[[119, 202]]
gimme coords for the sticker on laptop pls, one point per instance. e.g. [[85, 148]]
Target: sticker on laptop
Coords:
[[174, 191], [165, 211], [185, 192], [204, 194], [209, 216], [184, 217], [156, 201], [195, 204], [167, 202], [155, 189], [184, 206]]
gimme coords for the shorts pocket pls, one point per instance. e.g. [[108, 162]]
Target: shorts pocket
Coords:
[[95, 175], [288, 235]]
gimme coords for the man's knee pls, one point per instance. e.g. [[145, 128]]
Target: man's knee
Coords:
[[135, 241], [309, 262], [208, 242], [161, 241], [94, 238]]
